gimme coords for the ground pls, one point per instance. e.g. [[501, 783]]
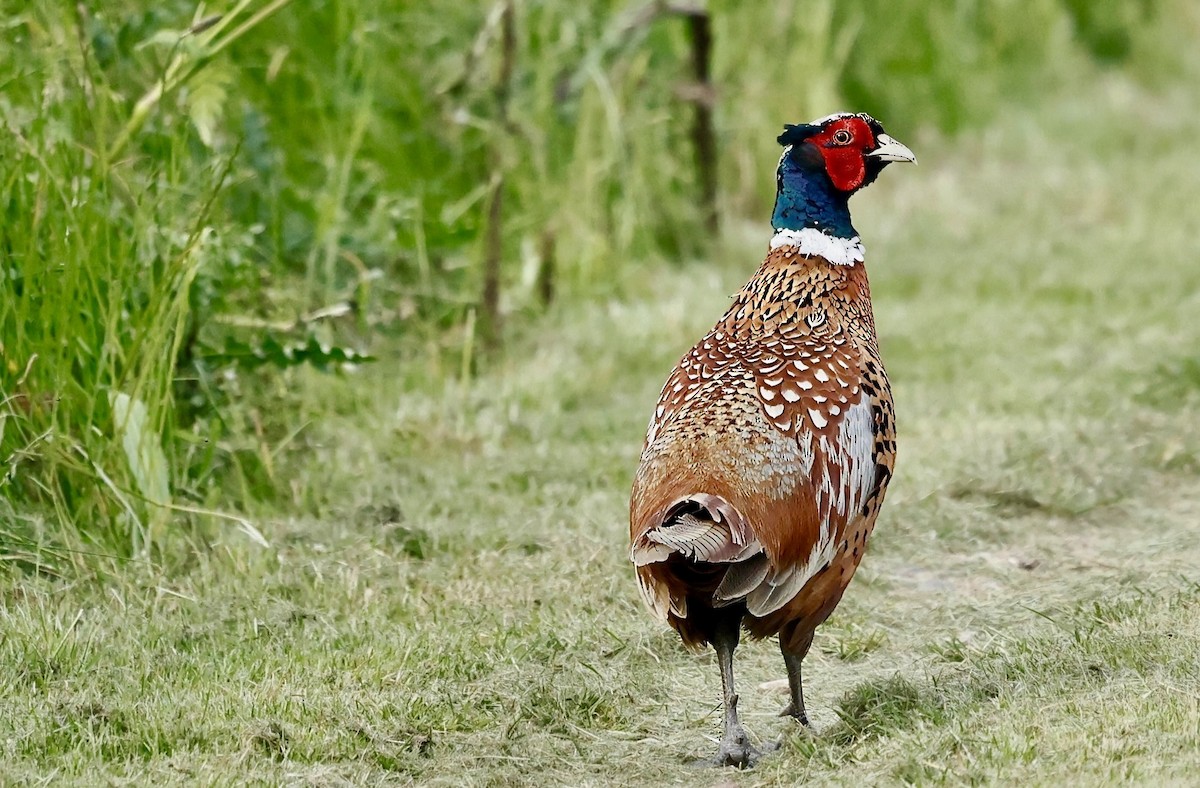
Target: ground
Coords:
[[1027, 612]]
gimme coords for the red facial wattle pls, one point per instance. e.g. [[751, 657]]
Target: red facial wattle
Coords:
[[844, 162], [846, 168]]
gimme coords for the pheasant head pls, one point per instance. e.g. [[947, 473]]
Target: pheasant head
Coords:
[[823, 163]]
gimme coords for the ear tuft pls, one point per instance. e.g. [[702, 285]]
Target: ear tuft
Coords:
[[794, 134]]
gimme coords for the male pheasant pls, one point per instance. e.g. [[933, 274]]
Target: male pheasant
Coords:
[[772, 444]]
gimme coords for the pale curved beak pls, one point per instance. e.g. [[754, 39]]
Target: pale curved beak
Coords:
[[891, 150]]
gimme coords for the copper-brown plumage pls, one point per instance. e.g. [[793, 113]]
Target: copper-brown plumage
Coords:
[[767, 459], [784, 368]]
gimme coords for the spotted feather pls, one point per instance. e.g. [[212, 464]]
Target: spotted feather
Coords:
[[784, 407]]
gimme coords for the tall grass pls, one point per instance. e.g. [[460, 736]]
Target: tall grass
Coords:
[[200, 199], [103, 244]]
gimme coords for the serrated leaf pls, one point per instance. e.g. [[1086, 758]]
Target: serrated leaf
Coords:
[[206, 102], [269, 350]]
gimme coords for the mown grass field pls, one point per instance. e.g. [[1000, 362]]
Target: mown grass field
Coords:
[[466, 615]]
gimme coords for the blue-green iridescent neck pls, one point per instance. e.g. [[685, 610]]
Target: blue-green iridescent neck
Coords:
[[806, 198]]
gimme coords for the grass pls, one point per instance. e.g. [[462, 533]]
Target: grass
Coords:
[[458, 607], [199, 197]]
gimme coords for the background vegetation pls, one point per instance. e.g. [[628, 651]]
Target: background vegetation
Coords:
[[329, 330]]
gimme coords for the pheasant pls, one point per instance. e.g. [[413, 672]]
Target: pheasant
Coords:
[[768, 455]]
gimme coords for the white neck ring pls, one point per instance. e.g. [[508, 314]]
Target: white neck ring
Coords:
[[813, 242]]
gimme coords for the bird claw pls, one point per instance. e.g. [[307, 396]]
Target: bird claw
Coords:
[[743, 757], [800, 717], [736, 751]]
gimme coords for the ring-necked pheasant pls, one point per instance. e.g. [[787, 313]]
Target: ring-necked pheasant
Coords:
[[770, 449]]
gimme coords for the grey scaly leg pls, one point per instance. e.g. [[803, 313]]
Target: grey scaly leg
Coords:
[[793, 656], [736, 749]]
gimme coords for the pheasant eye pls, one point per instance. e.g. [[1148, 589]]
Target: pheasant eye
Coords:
[[841, 137]]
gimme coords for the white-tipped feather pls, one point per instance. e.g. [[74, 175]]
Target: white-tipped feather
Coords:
[[725, 538], [742, 578], [781, 587]]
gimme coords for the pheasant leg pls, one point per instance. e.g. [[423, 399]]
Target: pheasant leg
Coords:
[[736, 749], [793, 656]]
